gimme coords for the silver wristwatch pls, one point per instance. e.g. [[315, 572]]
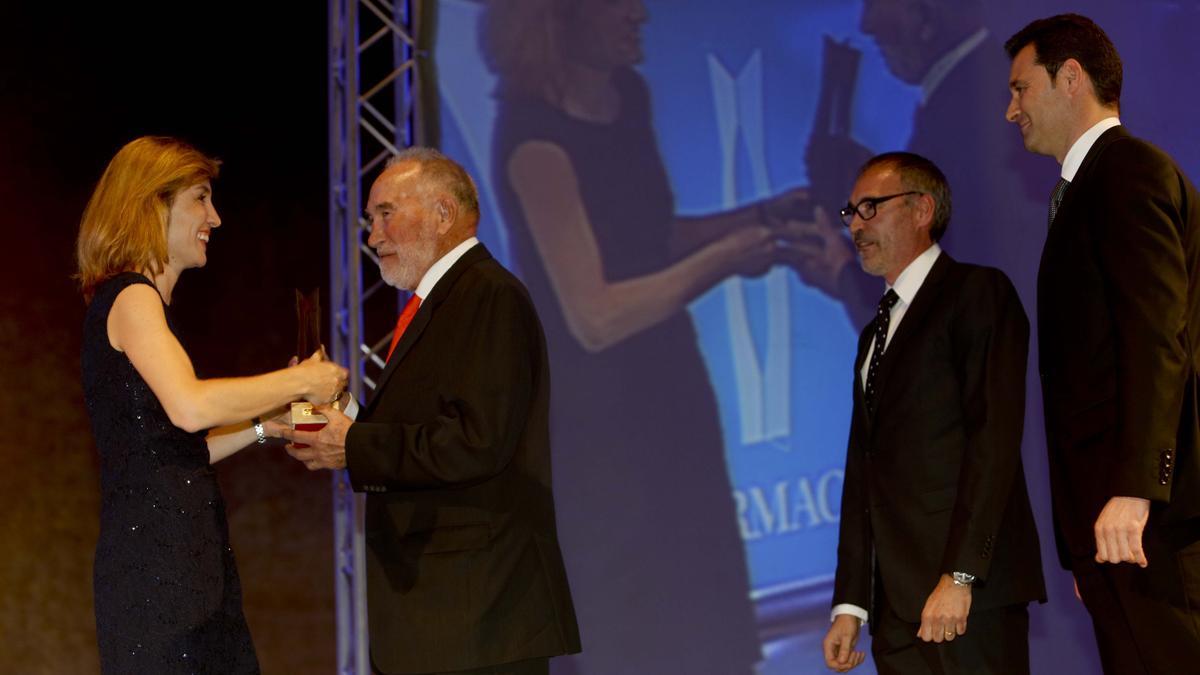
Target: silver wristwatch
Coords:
[[259, 431], [962, 579]]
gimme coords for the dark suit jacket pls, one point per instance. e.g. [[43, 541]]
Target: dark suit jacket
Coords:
[[463, 562], [1117, 308], [934, 480]]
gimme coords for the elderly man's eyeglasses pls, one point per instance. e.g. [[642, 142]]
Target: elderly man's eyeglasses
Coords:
[[866, 207]]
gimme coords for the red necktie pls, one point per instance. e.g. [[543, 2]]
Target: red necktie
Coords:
[[406, 317]]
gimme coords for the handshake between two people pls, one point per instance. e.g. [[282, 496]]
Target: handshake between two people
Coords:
[[818, 247], [790, 230]]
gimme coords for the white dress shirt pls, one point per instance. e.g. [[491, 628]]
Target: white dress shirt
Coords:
[[443, 265], [906, 287], [1079, 149]]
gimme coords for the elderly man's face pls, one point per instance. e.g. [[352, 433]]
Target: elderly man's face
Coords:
[[404, 226], [898, 28]]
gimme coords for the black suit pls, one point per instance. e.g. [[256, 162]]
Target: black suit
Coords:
[[463, 562], [934, 480], [1117, 308]]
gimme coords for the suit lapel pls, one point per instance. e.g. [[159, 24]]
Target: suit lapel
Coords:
[[1067, 212], [911, 325], [1085, 168], [441, 290], [864, 345]]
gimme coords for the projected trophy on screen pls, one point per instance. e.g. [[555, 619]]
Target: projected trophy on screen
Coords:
[[833, 156]]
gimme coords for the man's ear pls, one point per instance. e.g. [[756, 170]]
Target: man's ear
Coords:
[[925, 209], [447, 213], [1071, 76]]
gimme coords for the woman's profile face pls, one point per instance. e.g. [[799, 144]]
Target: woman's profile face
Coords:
[[189, 226], [606, 34]]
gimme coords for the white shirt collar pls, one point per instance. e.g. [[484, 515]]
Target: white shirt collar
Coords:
[[1079, 149], [439, 268], [944, 65], [910, 280]]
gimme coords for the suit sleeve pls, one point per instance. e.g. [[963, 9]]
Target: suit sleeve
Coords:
[[1141, 256], [852, 581], [991, 348], [482, 407]]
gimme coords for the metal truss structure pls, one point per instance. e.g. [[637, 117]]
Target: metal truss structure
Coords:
[[378, 71]]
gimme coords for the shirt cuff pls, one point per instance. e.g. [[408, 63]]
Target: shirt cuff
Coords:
[[853, 610], [351, 410]]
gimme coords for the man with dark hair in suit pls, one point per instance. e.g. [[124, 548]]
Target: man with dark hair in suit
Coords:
[[464, 572], [1117, 308], [937, 549]]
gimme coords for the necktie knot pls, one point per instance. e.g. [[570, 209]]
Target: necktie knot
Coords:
[[888, 301]]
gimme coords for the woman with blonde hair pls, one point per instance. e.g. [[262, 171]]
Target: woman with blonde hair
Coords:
[[167, 595], [645, 509]]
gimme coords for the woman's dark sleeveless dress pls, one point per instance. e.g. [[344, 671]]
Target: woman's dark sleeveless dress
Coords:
[[167, 594], [645, 510]]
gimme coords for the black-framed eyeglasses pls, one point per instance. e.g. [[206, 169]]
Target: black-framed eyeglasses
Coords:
[[866, 207]]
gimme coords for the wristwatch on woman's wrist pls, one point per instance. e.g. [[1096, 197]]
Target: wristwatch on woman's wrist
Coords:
[[259, 431]]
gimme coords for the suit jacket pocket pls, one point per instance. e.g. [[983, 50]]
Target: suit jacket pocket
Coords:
[[392, 547], [449, 539], [940, 499]]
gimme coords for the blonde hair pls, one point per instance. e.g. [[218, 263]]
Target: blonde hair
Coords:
[[124, 227], [524, 44]]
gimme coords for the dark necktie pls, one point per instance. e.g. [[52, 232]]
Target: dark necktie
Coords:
[[406, 317], [883, 318], [1056, 198]]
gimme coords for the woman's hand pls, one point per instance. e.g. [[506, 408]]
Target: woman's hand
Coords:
[[324, 380], [751, 251], [282, 419]]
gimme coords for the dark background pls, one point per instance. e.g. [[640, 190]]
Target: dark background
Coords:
[[245, 82]]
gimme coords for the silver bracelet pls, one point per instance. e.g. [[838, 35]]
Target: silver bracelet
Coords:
[[259, 431]]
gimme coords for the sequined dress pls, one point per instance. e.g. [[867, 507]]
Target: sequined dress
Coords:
[[167, 595]]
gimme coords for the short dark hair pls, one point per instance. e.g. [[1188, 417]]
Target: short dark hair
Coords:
[[1072, 36], [919, 175]]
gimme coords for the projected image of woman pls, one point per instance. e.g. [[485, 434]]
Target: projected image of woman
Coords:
[[646, 515], [167, 595]]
